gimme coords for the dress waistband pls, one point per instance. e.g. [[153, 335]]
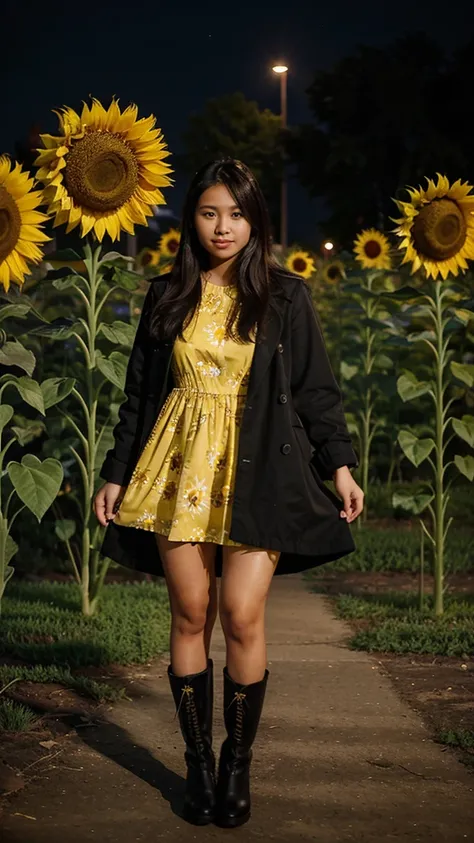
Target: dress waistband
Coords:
[[188, 390]]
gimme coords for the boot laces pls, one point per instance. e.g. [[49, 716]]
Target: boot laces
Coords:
[[192, 715], [238, 698]]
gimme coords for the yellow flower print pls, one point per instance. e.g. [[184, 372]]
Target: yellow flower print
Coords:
[[221, 497], [169, 492], [140, 477], [194, 497], [212, 456], [216, 334], [146, 521], [176, 461], [209, 370]]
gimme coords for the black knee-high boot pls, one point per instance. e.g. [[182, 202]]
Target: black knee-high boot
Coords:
[[242, 709], [193, 696]]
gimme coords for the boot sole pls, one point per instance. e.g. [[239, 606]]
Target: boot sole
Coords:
[[197, 819], [231, 822]]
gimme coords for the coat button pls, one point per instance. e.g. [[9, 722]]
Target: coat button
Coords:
[[280, 348], [283, 398], [286, 449]]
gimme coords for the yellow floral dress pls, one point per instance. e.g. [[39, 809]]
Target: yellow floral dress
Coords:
[[182, 485]]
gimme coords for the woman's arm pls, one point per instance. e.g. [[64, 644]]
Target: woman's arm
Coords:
[[316, 395], [117, 459]]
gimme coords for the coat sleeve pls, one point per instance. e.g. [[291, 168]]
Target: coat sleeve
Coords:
[[316, 395], [115, 468]]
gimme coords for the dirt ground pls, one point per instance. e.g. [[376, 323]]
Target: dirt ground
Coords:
[[439, 688]]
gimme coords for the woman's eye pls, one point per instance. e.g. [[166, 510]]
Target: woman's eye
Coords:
[[208, 214], [237, 214]]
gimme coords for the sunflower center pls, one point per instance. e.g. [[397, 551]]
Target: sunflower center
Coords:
[[333, 273], [101, 172], [173, 246], [372, 249], [299, 265], [439, 230], [10, 223]]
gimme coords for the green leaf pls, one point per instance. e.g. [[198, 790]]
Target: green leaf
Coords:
[[30, 391], [465, 466], [347, 371], [55, 390], [463, 372], [28, 431], [409, 388], [384, 361], [412, 503], [415, 449], [118, 332], [19, 311], [11, 548], [125, 279], [65, 529], [65, 282], [464, 316], [36, 483], [111, 257], [418, 336], [403, 293], [114, 367], [15, 354], [58, 329], [6, 413], [465, 429]]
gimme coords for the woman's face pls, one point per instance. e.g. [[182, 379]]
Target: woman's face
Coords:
[[221, 227]]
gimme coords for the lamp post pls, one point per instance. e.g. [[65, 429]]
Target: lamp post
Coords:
[[282, 71]]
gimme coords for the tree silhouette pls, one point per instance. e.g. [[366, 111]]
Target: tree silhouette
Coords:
[[384, 118]]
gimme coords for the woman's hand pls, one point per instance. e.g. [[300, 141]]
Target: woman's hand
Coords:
[[351, 494], [106, 502]]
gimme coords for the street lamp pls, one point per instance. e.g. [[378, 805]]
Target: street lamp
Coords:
[[282, 71]]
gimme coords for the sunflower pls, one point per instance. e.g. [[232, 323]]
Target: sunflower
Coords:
[[20, 222], [167, 267], [333, 272], [437, 227], [104, 170], [169, 243], [372, 249], [150, 257], [301, 263]]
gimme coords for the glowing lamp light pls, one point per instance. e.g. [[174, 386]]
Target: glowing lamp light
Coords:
[[328, 246], [280, 68]]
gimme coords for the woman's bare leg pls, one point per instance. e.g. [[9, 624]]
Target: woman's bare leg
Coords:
[[246, 577], [190, 578]]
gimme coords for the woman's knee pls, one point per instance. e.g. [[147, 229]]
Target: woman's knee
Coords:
[[242, 623], [189, 617]]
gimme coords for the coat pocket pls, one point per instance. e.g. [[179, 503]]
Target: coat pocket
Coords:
[[305, 445]]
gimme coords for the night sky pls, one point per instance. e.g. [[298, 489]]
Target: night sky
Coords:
[[170, 57]]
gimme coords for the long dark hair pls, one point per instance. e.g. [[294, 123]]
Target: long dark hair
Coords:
[[253, 264]]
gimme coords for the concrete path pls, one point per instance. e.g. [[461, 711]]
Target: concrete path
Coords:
[[338, 757]]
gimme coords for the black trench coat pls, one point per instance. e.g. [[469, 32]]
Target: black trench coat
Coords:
[[292, 437]]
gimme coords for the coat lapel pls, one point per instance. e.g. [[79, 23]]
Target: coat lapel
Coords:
[[268, 341]]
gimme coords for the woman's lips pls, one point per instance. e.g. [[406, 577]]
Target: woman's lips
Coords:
[[222, 244]]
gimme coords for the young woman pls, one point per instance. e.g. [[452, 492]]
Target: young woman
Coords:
[[232, 422]]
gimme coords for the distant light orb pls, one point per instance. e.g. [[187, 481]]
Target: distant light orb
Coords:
[[280, 68], [328, 246]]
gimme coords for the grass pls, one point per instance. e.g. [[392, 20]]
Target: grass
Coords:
[[398, 549], [393, 623], [15, 717], [464, 739], [42, 628]]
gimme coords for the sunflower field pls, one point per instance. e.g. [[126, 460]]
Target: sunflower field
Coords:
[[397, 315]]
